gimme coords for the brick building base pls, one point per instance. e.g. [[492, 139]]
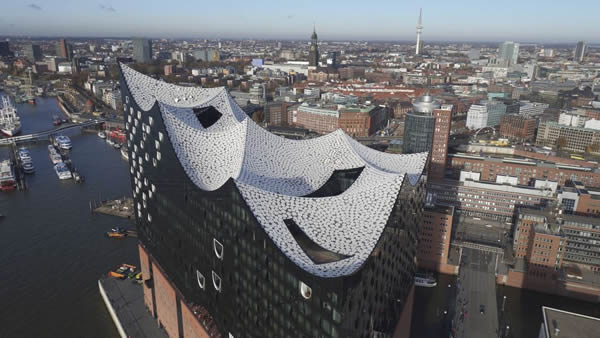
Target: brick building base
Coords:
[[165, 303]]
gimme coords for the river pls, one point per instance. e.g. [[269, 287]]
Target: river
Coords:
[[52, 249]]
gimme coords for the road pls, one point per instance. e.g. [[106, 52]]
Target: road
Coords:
[[476, 287]]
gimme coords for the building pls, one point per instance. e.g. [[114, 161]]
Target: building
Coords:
[[434, 239], [576, 198], [567, 138], [574, 118], [169, 69], [142, 50], [179, 56], [439, 146], [32, 53], [487, 200], [362, 121], [518, 127], [527, 170], [419, 125], [318, 118], [532, 109], [488, 113], [580, 50], [332, 59], [207, 55], [64, 50], [509, 52], [5, 49], [236, 237], [313, 54], [558, 323]]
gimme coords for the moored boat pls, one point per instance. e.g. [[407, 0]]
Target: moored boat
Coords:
[[101, 134], [63, 142], [124, 153], [10, 123], [425, 280], [28, 168], [8, 180], [62, 171]]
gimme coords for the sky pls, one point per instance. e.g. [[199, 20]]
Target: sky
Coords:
[[545, 21]]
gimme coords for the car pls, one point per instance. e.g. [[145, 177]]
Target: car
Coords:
[[482, 309]]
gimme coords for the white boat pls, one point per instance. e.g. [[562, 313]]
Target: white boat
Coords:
[[101, 134], [62, 171], [117, 145], [124, 153], [425, 281], [10, 123], [8, 181], [110, 142], [24, 155], [28, 168], [63, 142]]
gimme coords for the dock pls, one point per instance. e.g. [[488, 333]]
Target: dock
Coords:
[[122, 207], [124, 300], [18, 168]]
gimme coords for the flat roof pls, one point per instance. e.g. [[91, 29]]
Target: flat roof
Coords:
[[564, 324]]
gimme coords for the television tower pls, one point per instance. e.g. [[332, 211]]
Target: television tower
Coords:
[[419, 30]]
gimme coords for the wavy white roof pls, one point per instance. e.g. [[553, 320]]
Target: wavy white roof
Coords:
[[273, 173]]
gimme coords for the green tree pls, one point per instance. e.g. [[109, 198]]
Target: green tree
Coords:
[[561, 142]]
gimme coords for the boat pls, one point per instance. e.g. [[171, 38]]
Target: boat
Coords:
[[55, 158], [24, 155], [425, 281], [113, 234], [117, 145], [62, 171], [10, 123], [31, 100], [124, 153], [101, 134], [63, 142], [28, 168], [8, 181], [77, 177], [56, 120], [110, 142]]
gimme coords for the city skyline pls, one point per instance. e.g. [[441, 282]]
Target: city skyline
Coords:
[[390, 21]]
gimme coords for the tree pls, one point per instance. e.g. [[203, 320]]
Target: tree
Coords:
[[561, 142]]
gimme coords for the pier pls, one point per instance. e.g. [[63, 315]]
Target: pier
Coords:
[[17, 167], [122, 207], [44, 135]]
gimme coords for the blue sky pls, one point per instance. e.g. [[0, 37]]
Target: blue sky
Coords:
[[525, 20]]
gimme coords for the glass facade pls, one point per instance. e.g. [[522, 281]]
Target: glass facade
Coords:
[[217, 255], [418, 132]]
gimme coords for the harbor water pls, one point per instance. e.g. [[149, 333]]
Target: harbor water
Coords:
[[52, 249]]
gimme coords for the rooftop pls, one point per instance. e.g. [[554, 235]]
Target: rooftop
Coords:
[[564, 324], [274, 175]]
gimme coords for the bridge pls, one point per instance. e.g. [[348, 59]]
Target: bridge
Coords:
[[43, 135]]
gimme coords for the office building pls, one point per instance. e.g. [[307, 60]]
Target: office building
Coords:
[[313, 54], [321, 119], [518, 127], [580, 50], [526, 170], [207, 55], [169, 69], [142, 50], [567, 138], [361, 121], [244, 233], [419, 125], [332, 59], [509, 52], [434, 239], [488, 113], [32, 53], [574, 197], [439, 146], [558, 323], [64, 50], [5, 49]]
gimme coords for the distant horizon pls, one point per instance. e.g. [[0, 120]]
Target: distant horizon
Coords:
[[188, 38], [353, 20]]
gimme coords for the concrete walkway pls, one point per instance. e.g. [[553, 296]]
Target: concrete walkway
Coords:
[[476, 290]]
